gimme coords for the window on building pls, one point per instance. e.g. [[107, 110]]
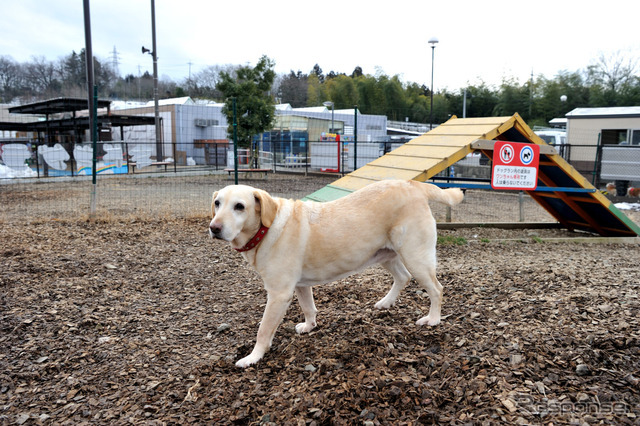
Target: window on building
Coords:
[[614, 136]]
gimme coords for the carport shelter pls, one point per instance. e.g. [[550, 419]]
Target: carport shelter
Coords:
[[48, 128]]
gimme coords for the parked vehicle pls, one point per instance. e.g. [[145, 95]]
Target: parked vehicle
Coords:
[[552, 136]]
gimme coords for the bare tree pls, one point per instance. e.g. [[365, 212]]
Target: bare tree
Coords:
[[292, 89], [203, 84], [612, 71], [41, 78], [10, 76]]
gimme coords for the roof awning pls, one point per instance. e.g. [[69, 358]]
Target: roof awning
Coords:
[[62, 105], [57, 106], [78, 123]]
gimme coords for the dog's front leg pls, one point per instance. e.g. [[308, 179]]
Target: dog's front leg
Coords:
[[305, 299], [277, 305]]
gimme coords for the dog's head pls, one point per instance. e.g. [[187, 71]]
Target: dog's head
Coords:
[[238, 211]]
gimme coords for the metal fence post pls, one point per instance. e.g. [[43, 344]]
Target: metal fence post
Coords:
[[94, 133], [521, 203], [126, 150], [235, 142], [307, 159], [273, 151], [37, 160], [175, 163], [597, 164], [355, 138]]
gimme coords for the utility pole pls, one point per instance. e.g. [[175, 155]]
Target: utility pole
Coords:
[[531, 95], [154, 55], [189, 81], [92, 92], [139, 75]]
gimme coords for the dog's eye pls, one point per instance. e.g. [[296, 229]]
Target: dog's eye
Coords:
[[239, 207], [216, 203]]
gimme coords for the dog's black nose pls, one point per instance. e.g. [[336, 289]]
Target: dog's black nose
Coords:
[[215, 229]]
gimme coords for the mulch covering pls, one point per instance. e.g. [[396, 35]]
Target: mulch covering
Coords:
[[141, 321]]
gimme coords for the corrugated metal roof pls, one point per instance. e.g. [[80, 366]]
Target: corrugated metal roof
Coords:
[[312, 109], [631, 111], [185, 100]]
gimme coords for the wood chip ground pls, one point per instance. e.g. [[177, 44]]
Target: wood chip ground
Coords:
[[140, 321]]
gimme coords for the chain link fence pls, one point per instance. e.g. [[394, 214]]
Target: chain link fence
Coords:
[[55, 182]]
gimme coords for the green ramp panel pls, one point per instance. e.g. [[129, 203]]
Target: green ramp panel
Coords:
[[328, 193]]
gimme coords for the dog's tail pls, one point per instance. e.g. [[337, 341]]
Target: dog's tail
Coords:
[[450, 196]]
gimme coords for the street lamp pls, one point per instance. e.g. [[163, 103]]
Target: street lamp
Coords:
[[330, 104], [432, 41]]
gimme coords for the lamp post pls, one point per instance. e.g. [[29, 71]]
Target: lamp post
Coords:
[[330, 104], [432, 41]]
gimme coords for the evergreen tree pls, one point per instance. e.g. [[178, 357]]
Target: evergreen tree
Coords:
[[251, 88]]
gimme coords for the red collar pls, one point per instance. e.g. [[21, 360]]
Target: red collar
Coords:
[[255, 240]]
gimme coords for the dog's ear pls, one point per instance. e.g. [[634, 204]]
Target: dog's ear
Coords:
[[213, 207], [268, 207]]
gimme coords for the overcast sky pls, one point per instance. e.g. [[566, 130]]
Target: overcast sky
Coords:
[[479, 41]]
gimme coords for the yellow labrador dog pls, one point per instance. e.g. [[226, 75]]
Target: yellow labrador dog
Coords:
[[295, 245]]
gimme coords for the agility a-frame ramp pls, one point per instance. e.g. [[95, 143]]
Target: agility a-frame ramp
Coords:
[[562, 190]]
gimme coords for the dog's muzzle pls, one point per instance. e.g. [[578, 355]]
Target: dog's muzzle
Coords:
[[215, 231]]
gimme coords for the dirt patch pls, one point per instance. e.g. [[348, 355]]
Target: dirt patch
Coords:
[[124, 321]]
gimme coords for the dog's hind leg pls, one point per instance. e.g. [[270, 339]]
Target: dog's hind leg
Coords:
[[421, 263], [434, 290], [400, 279], [305, 299]]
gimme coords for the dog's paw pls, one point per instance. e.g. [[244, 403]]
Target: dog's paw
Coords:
[[428, 320], [248, 360], [384, 303], [304, 327]]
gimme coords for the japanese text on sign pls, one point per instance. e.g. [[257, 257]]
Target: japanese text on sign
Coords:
[[515, 166], [517, 177]]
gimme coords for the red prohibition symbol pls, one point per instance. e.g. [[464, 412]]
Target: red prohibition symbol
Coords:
[[506, 153]]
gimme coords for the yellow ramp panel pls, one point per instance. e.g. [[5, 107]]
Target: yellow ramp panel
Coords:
[[352, 183], [431, 152], [477, 131], [384, 173], [441, 140], [410, 162], [481, 128], [435, 152]]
